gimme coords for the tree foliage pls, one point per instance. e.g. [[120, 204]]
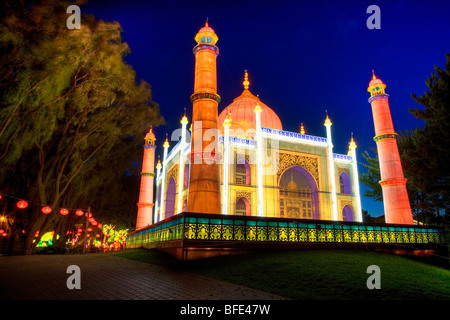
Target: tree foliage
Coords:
[[72, 113]]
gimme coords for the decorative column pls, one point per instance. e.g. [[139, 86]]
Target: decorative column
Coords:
[[397, 208], [184, 122], [204, 188], [352, 152], [158, 188], [163, 183], [331, 169], [259, 158], [145, 204], [226, 160]]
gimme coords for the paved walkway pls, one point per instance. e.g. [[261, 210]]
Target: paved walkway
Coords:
[[108, 277]]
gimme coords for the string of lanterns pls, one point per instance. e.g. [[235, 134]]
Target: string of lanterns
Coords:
[[22, 204]]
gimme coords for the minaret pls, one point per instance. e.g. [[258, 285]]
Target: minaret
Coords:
[[158, 188], [332, 177], [145, 204], [352, 153], [259, 159], [226, 158], [204, 188], [162, 211], [184, 122], [397, 208]]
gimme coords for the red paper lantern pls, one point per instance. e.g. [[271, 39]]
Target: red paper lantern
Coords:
[[99, 225], [46, 210], [98, 236], [4, 234], [91, 219], [88, 214], [22, 204], [89, 229], [79, 213], [1, 231], [64, 211], [94, 223], [88, 235]]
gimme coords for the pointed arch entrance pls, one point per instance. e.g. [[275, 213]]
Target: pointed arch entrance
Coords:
[[299, 196], [243, 207], [347, 213], [170, 198]]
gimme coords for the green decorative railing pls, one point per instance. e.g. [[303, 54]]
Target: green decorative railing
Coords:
[[203, 227]]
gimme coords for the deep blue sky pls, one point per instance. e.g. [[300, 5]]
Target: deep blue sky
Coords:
[[303, 57]]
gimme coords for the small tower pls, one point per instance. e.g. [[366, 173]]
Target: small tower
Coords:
[[302, 129], [162, 211], [204, 185], [397, 208], [352, 153], [145, 204], [331, 175], [259, 159]]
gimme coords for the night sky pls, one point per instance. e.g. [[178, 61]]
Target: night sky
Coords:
[[303, 57]]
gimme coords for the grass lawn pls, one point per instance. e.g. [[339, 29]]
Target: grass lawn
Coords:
[[317, 274]]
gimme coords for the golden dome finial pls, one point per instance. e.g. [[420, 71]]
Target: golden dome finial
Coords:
[[246, 82], [352, 144], [373, 75], [327, 120], [206, 24], [166, 143], [302, 129], [184, 120]]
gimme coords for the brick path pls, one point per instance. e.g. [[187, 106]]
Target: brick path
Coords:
[[108, 277]]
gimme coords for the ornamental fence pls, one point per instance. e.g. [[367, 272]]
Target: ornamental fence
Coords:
[[244, 229]]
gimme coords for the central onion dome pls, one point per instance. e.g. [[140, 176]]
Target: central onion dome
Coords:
[[243, 118]]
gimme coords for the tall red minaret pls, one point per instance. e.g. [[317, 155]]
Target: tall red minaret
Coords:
[[204, 187], [145, 204], [397, 208]]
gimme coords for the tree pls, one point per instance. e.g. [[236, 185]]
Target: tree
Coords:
[[429, 150], [372, 176], [73, 115]]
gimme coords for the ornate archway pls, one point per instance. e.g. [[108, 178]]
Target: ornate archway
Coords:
[[299, 196], [170, 198], [243, 207]]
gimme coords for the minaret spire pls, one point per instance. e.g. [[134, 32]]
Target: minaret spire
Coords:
[[397, 208], [145, 204], [204, 188]]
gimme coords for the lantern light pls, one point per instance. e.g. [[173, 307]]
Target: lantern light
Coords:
[[88, 214], [4, 234], [64, 211], [46, 210], [94, 223], [91, 219], [89, 229], [98, 235], [22, 204], [79, 213], [1, 231], [99, 225]]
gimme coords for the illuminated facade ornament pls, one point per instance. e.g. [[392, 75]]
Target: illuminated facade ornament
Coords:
[[302, 129]]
